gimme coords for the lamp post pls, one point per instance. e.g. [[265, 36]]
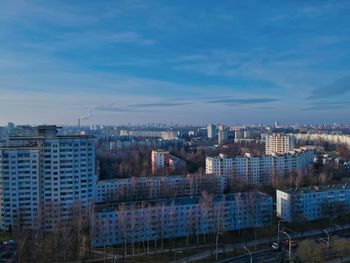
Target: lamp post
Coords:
[[328, 237], [290, 245], [216, 244], [250, 254]]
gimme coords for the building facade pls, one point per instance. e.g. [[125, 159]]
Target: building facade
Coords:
[[312, 203], [279, 143], [212, 131], [331, 138], [43, 176], [155, 187], [163, 159], [171, 218], [165, 135], [260, 169]]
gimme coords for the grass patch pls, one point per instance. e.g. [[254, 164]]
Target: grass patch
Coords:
[[4, 237]]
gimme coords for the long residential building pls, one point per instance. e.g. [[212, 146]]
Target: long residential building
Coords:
[[331, 138], [155, 187], [165, 135], [260, 169], [42, 176], [312, 203], [179, 217]]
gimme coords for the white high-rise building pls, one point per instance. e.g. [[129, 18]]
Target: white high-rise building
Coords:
[[279, 143], [43, 176], [212, 131]]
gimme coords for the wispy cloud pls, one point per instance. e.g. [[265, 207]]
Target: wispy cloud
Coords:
[[113, 109], [128, 37], [98, 38], [245, 101], [327, 105], [310, 11], [339, 87], [159, 104], [173, 58]]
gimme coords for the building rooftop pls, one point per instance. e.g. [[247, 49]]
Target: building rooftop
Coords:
[[117, 180], [249, 155], [311, 189], [182, 201]]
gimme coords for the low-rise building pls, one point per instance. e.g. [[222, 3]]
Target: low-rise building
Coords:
[[180, 217], [312, 203], [163, 159], [153, 187]]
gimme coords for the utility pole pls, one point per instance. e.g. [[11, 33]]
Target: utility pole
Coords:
[[217, 243]]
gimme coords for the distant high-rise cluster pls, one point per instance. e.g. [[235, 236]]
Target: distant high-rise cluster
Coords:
[[217, 132], [279, 143]]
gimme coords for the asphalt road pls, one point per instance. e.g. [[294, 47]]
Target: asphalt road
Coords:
[[268, 255]]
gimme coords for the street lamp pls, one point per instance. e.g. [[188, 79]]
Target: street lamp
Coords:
[[250, 254], [328, 237], [217, 243], [290, 245]]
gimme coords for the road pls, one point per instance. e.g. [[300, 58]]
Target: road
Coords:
[[266, 253]]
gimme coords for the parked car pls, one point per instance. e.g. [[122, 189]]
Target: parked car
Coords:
[[277, 246]]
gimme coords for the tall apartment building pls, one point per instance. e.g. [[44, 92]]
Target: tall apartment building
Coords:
[[179, 217], [212, 132], [42, 175], [259, 169], [279, 143], [312, 203]]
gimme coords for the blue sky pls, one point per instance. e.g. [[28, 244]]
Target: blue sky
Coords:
[[188, 62]]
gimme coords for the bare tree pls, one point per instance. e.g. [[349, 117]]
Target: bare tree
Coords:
[[206, 204]]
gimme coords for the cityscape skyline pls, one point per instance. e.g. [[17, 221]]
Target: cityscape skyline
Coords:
[[137, 62]]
